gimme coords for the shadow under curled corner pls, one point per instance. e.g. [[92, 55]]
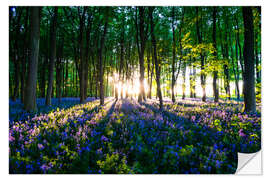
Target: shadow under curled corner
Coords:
[[249, 163]]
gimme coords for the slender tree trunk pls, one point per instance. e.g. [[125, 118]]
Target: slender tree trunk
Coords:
[[121, 73], [16, 53], [151, 80], [173, 59], [82, 58], [87, 56], [249, 76], [142, 33], [226, 66], [101, 62], [184, 81], [194, 79], [237, 71], [240, 50], [151, 9], [190, 78], [215, 73], [233, 66], [30, 93], [258, 77], [199, 36], [25, 55], [148, 72], [52, 55]]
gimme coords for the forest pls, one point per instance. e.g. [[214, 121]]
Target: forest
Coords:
[[133, 89]]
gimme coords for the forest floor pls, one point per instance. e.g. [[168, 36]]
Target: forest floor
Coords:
[[125, 136]]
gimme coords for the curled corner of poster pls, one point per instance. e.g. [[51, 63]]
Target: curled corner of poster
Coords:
[[249, 163]]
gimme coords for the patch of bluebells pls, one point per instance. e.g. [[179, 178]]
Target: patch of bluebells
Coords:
[[127, 137], [17, 113], [234, 126]]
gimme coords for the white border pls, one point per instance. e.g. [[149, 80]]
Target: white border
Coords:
[[4, 78]]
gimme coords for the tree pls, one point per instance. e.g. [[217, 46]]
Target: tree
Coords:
[[215, 76], [157, 64], [30, 93], [52, 55], [141, 37], [199, 37], [249, 75], [102, 41], [173, 58]]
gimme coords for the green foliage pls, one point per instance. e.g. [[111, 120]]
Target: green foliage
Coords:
[[114, 164]]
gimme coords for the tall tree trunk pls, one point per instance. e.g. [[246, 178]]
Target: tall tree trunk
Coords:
[[121, 73], [151, 80], [142, 33], [240, 49], [148, 71], [101, 62], [199, 36], [16, 55], [258, 77], [215, 73], [87, 56], [66, 79], [25, 55], [157, 68], [52, 55], [233, 67], [30, 93], [237, 71], [226, 55], [194, 78], [173, 58], [190, 78], [249, 76]]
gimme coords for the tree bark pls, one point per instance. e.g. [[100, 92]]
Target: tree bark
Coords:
[[52, 55], [203, 75], [249, 76], [142, 33], [82, 63], [16, 54], [173, 58], [184, 81], [25, 55], [121, 73], [157, 68], [240, 49], [233, 67], [215, 73], [101, 62], [237, 70], [30, 93]]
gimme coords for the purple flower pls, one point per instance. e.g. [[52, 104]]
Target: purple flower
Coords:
[[103, 138], [61, 144], [44, 168], [11, 138], [241, 133], [40, 146], [99, 151]]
